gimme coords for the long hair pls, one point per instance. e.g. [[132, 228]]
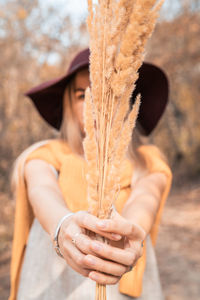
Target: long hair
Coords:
[[70, 129]]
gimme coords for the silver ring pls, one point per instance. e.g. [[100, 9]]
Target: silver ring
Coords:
[[74, 238]]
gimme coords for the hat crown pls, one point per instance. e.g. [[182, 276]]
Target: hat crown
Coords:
[[80, 60]]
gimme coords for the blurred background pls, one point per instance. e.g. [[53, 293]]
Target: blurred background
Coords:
[[37, 41]]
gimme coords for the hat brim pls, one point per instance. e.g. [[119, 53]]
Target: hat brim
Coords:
[[152, 84], [48, 97]]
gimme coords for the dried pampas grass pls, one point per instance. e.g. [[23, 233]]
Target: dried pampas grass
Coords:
[[119, 30]]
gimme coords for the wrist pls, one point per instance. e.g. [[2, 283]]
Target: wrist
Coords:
[[55, 219], [57, 231], [141, 230]]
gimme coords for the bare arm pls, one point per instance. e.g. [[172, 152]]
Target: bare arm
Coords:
[[44, 195], [144, 201], [142, 205]]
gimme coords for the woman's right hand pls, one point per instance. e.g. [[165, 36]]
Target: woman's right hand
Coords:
[[75, 244]]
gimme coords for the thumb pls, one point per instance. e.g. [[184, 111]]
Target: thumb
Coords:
[[131, 230]]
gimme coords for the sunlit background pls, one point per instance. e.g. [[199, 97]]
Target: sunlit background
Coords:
[[37, 41]]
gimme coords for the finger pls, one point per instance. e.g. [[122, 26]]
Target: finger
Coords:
[[83, 243], [69, 232], [88, 221], [70, 252], [134, 246], [103, 278], [115, 254], [121, 226], [75, 267], [105, 266]]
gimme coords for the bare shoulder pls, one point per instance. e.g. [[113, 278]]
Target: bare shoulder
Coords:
[[39, 171], [36, 165]]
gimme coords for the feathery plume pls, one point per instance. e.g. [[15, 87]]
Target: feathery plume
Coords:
[[119, 30]]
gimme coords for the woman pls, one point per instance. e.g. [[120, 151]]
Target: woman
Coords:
[[51, 197]]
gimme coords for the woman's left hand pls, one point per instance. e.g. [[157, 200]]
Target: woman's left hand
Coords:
[[121, 255]]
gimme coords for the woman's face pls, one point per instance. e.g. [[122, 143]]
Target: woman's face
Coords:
[[81, 82]]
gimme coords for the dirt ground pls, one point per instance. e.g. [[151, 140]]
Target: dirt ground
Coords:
[[178, 246]]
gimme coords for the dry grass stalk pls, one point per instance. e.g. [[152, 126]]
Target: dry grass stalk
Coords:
[[119, 30]]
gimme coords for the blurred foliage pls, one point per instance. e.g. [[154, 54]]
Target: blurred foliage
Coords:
[[32, 52], [27, 51], [175, 46]]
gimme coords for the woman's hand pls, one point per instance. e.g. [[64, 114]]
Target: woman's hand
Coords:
[[101, 262], [132, 244], [75, 245]]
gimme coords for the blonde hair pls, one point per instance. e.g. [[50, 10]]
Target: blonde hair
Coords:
[[70, 129]]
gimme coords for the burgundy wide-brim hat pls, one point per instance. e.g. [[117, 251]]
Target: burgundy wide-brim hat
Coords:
[[152, 84]]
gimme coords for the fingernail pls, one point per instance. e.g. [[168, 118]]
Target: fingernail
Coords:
[[96, 247], [102, 224], [116, 236], [93, 276]]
